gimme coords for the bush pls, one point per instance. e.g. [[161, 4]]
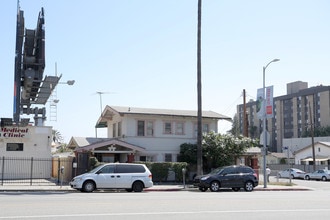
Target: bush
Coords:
[[160, 170]]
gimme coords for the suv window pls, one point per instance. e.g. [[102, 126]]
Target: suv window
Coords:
[[246, 170], [229, 171], [130, 169]]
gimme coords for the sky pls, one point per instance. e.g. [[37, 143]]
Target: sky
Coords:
[[144, 54]]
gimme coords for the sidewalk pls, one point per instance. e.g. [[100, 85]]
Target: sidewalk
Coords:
[[66, 188]]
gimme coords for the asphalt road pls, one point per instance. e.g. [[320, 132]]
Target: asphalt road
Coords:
[[188, 205]]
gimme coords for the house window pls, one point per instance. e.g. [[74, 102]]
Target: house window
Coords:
[[179, 128], [168, 157], [146, 158], [114, 129], [119, 129], [205, 129], [14, 146], [145, 128], [140, 128], [167, 127], [150, 128]]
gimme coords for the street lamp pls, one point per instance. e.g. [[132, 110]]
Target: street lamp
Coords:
[[264, 122]]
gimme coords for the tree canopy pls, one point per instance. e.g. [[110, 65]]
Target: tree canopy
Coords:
[[218, 149]]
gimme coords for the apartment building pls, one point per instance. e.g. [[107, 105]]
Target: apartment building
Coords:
[[294, 113]]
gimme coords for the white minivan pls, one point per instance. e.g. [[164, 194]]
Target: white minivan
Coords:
[[128, 176]]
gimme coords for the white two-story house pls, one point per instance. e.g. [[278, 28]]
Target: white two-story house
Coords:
[[145, 134]]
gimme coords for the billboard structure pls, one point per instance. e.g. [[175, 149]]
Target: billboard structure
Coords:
[[31, 88]]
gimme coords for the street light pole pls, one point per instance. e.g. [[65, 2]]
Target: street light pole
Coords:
[[264, 121]]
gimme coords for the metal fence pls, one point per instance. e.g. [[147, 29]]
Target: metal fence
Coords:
[[276, 168], [35, 171]]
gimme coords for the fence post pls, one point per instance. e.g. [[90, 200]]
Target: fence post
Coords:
[[31, 171], [2, 170], [58, 170]]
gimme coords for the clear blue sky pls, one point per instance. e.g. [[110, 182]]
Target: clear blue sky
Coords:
[[144, 53]]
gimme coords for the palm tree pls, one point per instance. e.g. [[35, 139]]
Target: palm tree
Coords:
[[56, 136]]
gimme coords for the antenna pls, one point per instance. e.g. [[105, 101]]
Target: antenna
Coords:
[[100, 94]]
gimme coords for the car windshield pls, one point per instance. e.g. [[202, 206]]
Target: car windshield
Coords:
[[217, 170], [94, 170]]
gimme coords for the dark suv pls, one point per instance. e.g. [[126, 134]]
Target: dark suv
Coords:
[[235, 177]]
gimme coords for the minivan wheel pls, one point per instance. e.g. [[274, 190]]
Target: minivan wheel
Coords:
[[89, 186], [215, 186], [137, 186], [248, 187]]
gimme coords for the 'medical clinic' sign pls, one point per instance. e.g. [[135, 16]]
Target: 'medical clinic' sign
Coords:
[[14, 132]]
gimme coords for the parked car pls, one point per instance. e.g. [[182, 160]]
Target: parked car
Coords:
[[234, 177], [129, 176], [323, 175], [294, 172]]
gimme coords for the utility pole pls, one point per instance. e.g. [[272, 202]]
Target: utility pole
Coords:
[[199, 93], [312, 134]]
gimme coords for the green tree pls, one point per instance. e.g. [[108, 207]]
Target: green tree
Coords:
[[57, 136], [218, 149], [188, 153], [318, 132], [222, 150]]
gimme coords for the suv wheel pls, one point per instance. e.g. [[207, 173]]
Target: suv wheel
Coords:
[[215, 186], [202, 189], [248, 186], [89, 186], [137, 186]]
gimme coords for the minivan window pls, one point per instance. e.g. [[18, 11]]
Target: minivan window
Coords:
[[129, 169], [107, 169]]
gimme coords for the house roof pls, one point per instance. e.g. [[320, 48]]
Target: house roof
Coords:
[[80, 144], [84, 141], [326, 144], [109, 111], [279, 155]]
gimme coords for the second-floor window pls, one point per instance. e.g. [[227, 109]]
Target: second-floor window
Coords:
[[205, 129], [179, 128], [119, 129], [145, 128], [167, 127], [114, 129]]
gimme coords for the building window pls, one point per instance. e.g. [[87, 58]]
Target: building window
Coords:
[[179, 128], [140, 128], [145, 127], [168, 157], [146, 158], [150, 128], [119, 129], [114, 129], [206, 128], [167, 127], [14, 146]]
